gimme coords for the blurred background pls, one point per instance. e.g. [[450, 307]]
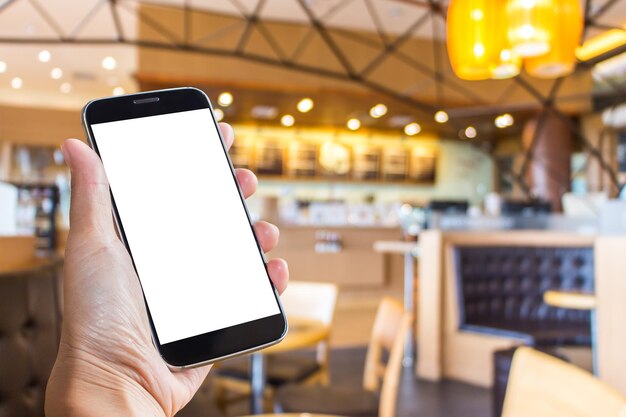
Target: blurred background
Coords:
[[465, 158]]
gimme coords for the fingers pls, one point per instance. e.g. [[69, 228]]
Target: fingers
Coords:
[[279, 273], [90, 209], [228, 135], [267, 234], [247, 181]]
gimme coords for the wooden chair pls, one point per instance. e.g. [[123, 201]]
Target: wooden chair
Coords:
[[303, 300], [378, 395], [544, 386]]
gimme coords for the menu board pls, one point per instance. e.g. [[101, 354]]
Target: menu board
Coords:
[[241, 153], [395, 164], [334, 160], [337, 159], [366, 162], [302, 160], [269, 158], [422, 167]]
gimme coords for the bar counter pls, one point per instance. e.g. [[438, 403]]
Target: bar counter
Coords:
[[341, 255]]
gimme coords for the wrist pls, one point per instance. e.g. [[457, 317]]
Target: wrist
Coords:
[[81, 389]]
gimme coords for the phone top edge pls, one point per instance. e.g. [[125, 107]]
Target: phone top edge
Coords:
[[124, 97]]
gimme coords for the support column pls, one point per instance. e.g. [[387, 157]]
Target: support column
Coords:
[[549, 142]]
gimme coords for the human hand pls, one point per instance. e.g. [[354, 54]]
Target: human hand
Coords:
[[107, 364]]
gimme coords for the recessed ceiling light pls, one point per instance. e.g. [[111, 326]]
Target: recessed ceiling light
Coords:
[[118, 91], [225, 99], [3, 67], [412, 129], [219, 114], [287, 120], [354, 124], [56, 73], [65, 87], [305, 105], [441, 116], [109, 63], [16, 83], [504, 121], [378, 110], [470, 132], [44, 55]]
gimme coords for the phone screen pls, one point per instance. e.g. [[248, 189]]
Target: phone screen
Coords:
[[185, 224]]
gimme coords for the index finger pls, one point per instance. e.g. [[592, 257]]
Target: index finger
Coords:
[[228, 135]]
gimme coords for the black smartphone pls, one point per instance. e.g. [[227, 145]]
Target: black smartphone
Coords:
[[184, 221]]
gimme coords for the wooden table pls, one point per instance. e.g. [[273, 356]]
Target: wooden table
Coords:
[[302, 333], [577, 300], [410, 252]]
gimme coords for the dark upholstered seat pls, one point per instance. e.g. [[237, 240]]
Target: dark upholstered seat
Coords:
[[501, 292], [280, 369], [29, 337], [334, 400]]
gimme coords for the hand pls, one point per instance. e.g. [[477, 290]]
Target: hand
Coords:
[[107, 364]]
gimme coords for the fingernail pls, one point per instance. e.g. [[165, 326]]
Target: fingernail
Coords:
[[275, 228]]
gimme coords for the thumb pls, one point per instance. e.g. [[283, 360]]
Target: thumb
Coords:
[[90, 209]]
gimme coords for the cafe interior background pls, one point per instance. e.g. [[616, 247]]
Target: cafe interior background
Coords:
[[448, 177]]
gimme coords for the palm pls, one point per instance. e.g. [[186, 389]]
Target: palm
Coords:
[[106, 333]]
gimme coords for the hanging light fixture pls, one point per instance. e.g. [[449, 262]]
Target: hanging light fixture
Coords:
[[476, 37], [531, 23], [565, 34]]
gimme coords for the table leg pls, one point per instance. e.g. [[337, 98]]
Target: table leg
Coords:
[[257, 382], [409, 303]]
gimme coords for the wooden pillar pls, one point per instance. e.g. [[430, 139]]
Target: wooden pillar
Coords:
[[548, 172]]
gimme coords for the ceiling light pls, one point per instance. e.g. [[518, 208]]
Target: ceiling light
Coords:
[[475, 37], [305, 105], [470, 132], [601, 44], [225, 99], [287, 120], [16, 83], [219, 114], [118, 91], [441, 116], [44, 55], [504, 120], [412, 129], [353, 124], [566, 32], [65, 87], [378, 110], [56, 73], [109, 63], [3, 67]]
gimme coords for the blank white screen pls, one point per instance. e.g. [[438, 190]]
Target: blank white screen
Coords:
[[185, 224]]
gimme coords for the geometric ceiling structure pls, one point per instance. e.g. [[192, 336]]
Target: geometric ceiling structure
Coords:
[[360, 42]]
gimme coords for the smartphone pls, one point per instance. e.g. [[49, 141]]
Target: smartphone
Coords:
[[184, 221]]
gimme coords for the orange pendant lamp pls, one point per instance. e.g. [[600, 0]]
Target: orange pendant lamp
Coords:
[[565, 37], [476, 37], [530, 26]]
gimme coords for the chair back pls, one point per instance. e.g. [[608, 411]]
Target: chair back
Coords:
[[543, 386], [310, 300], [391, 326]]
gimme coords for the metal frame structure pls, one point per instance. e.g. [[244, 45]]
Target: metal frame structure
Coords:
[[387, 45]]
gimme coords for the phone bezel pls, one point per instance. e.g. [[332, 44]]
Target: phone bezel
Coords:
[[219, 344]]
